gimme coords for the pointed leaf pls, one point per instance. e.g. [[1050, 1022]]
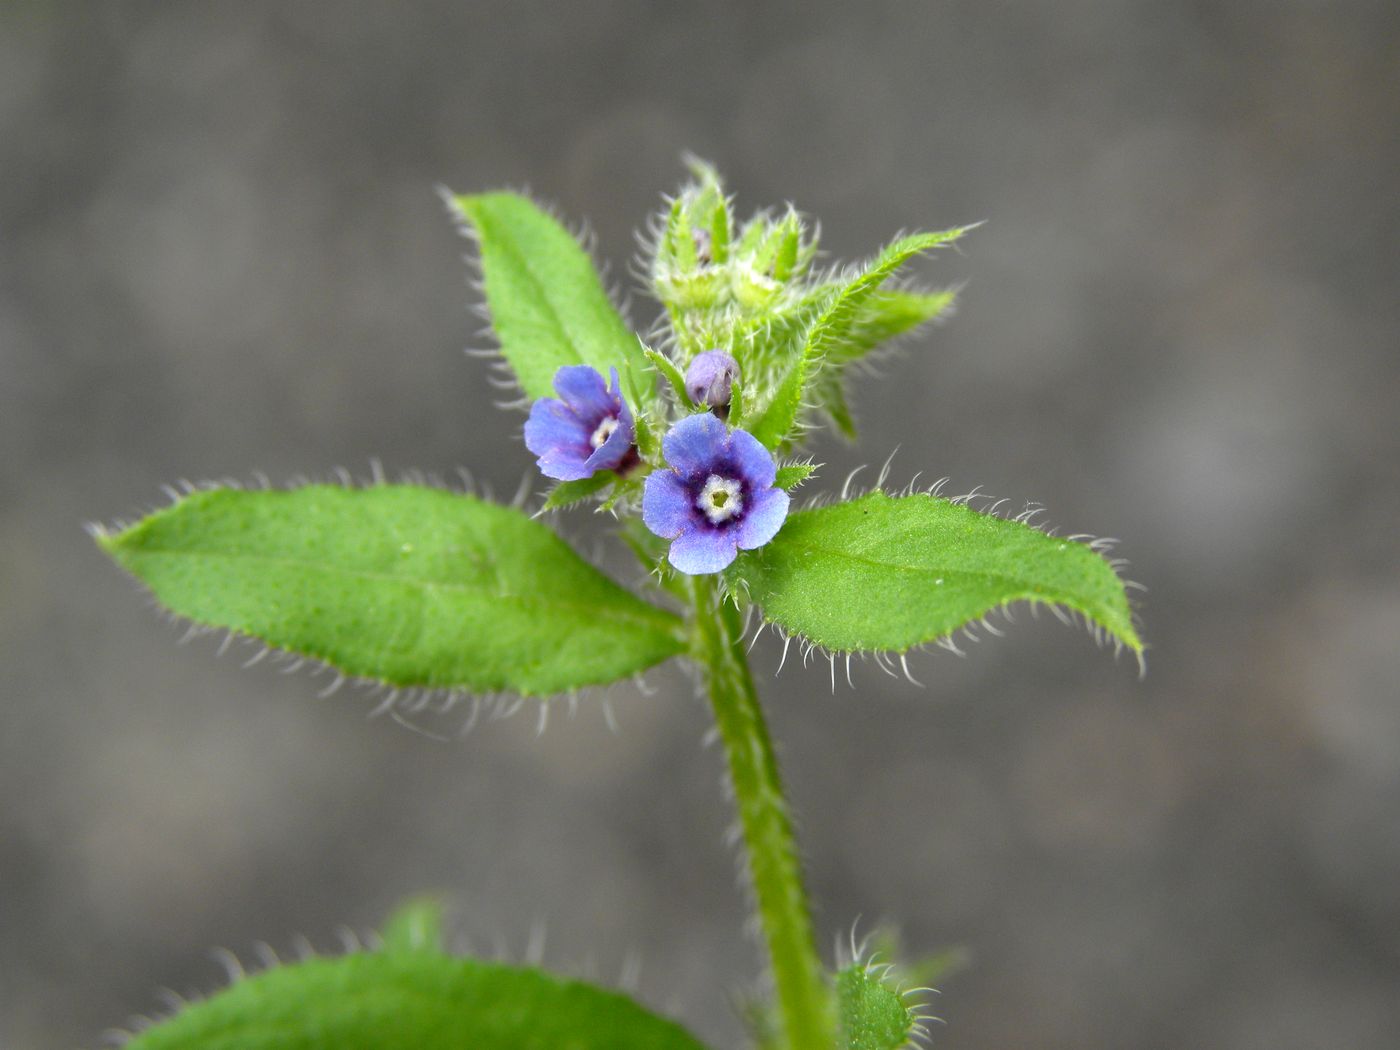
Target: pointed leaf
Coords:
[[673, 376], [547, 304], [414, 926], [832, 327], [412, 1001], [409, 585], [793, 474], [887, 573], [889, 314], [830, 393], [567, 493]]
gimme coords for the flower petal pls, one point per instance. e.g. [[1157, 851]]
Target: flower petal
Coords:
[[694, 444], [668, 508], [763, 517], [565, 464], [752, 460], [552, 426], [702, 551], [585, 391]]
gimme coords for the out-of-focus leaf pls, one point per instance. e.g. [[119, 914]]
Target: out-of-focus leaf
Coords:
[[414, 926], [412, 1000]]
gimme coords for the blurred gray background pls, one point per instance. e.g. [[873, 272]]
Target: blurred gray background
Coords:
[[221, 251]]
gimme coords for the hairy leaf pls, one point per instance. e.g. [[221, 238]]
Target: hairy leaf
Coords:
[[873, 1016], [793, 474], [831, 329], [410, 585], [829, 391], [412, 1001], [889, 314], [673, 375], [547, 305], [887, 573], [567, 493]]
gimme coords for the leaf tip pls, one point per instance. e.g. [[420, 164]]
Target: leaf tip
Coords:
[[415, 925], [110, 539]]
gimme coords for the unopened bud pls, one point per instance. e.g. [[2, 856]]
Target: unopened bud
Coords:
[[710, 378]]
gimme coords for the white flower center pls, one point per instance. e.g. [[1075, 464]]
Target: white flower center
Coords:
[[720, 499], [604, 431]]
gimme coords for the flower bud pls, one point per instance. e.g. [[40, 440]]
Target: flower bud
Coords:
[[710, 378]]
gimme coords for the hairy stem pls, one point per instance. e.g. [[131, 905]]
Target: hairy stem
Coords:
[[805, 1007]]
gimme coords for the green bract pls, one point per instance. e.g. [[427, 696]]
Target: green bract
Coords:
[[404, 584], [827, 338]]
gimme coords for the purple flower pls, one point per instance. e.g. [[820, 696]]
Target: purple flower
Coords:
[[588, 431], [717, 498], [710, 378]]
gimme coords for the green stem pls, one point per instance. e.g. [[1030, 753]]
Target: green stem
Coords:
[[805, 1006]]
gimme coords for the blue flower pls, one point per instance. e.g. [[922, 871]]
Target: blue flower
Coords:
[[589, 430], [710, 378], [717, 498]]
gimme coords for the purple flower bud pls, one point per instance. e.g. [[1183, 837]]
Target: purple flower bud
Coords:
[[710, 378], [589, 430], [716, 499]]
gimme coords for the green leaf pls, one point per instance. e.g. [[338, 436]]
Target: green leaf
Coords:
[[889, 314], [887, 573], [736, 400], [830, 393], [567, 493], [412, 1001], [830, 329], [547, 305], [794, 474], [412, 586], [414, 926], [766, 346], [673, 376], [873, 1016]]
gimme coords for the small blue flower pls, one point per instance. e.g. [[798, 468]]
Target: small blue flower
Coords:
[[717, 498], [710, 378], [589, 430]]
